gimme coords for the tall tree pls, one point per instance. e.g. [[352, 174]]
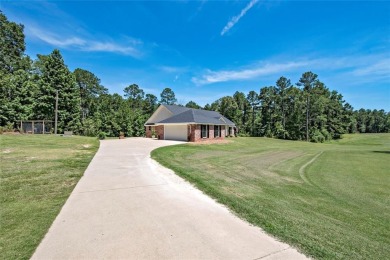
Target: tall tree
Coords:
[[55, 76], [16, 97], [12, 45], [150, 103], [134, 94], [308, 81], [268, 110], [253, 100], [90, 88], [229, 108], [295, 122], [168, 97], [282, 88], [216, 105], [16, 84], [243, 107]]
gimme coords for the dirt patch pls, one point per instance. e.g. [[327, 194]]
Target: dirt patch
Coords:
[[86, 145], [11, 133], [29, 159]]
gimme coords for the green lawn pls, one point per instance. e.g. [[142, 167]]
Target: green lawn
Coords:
[[38, 172], [331, 201]]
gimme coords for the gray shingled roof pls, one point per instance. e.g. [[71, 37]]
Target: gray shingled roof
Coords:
[[198, 116], [175, 110]]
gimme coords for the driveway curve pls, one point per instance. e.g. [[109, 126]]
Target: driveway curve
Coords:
[[126, 206]]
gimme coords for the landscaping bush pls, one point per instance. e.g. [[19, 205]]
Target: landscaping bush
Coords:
[[102, 135]]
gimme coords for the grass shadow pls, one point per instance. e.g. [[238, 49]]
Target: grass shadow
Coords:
[[388, 152]]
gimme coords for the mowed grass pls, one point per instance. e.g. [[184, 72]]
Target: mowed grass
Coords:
[[331, 201], [38, 173]]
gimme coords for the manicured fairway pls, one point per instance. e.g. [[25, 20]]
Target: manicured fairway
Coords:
[[331, 201], [38, 172]]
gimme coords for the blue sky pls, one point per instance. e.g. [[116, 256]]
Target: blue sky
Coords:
[[204, 50]]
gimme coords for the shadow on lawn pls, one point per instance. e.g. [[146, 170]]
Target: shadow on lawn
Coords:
[[381, 152]]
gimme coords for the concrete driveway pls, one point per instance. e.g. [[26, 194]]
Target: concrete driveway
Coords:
[[126, 206]]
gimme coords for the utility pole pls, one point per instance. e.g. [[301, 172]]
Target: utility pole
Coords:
[[56, 116]]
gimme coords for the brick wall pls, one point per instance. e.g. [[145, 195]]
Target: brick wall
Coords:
[[211, 131], [194, 132], [148, 132], [223, 132], [160, 132]]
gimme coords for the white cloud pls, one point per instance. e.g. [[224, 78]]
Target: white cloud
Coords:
[[54, 39], [84, 44], [112, 47], [351, 68], [171, 69], [246, 74], [235, 19], [380, 67]]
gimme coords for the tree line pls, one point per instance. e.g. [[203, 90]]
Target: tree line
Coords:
[[29, 88], [307, 110]]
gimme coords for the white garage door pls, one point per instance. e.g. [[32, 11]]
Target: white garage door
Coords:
[[175, 132]]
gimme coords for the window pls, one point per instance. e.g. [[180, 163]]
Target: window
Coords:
[[150, 128], [217, 131], [204, 131]]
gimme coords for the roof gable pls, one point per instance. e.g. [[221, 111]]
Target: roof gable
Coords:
[[161, 113]]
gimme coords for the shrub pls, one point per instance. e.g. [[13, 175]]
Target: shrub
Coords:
[[326, 134], [89, 128], [102, 135], [243, 134], [317, 137], [9, 127]]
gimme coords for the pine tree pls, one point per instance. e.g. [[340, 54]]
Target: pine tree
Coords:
[[168, 97], [55, 76], [307, 81], [90, 88], [16, 84]]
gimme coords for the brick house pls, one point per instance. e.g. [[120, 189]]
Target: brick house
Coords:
[[171, 122]]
